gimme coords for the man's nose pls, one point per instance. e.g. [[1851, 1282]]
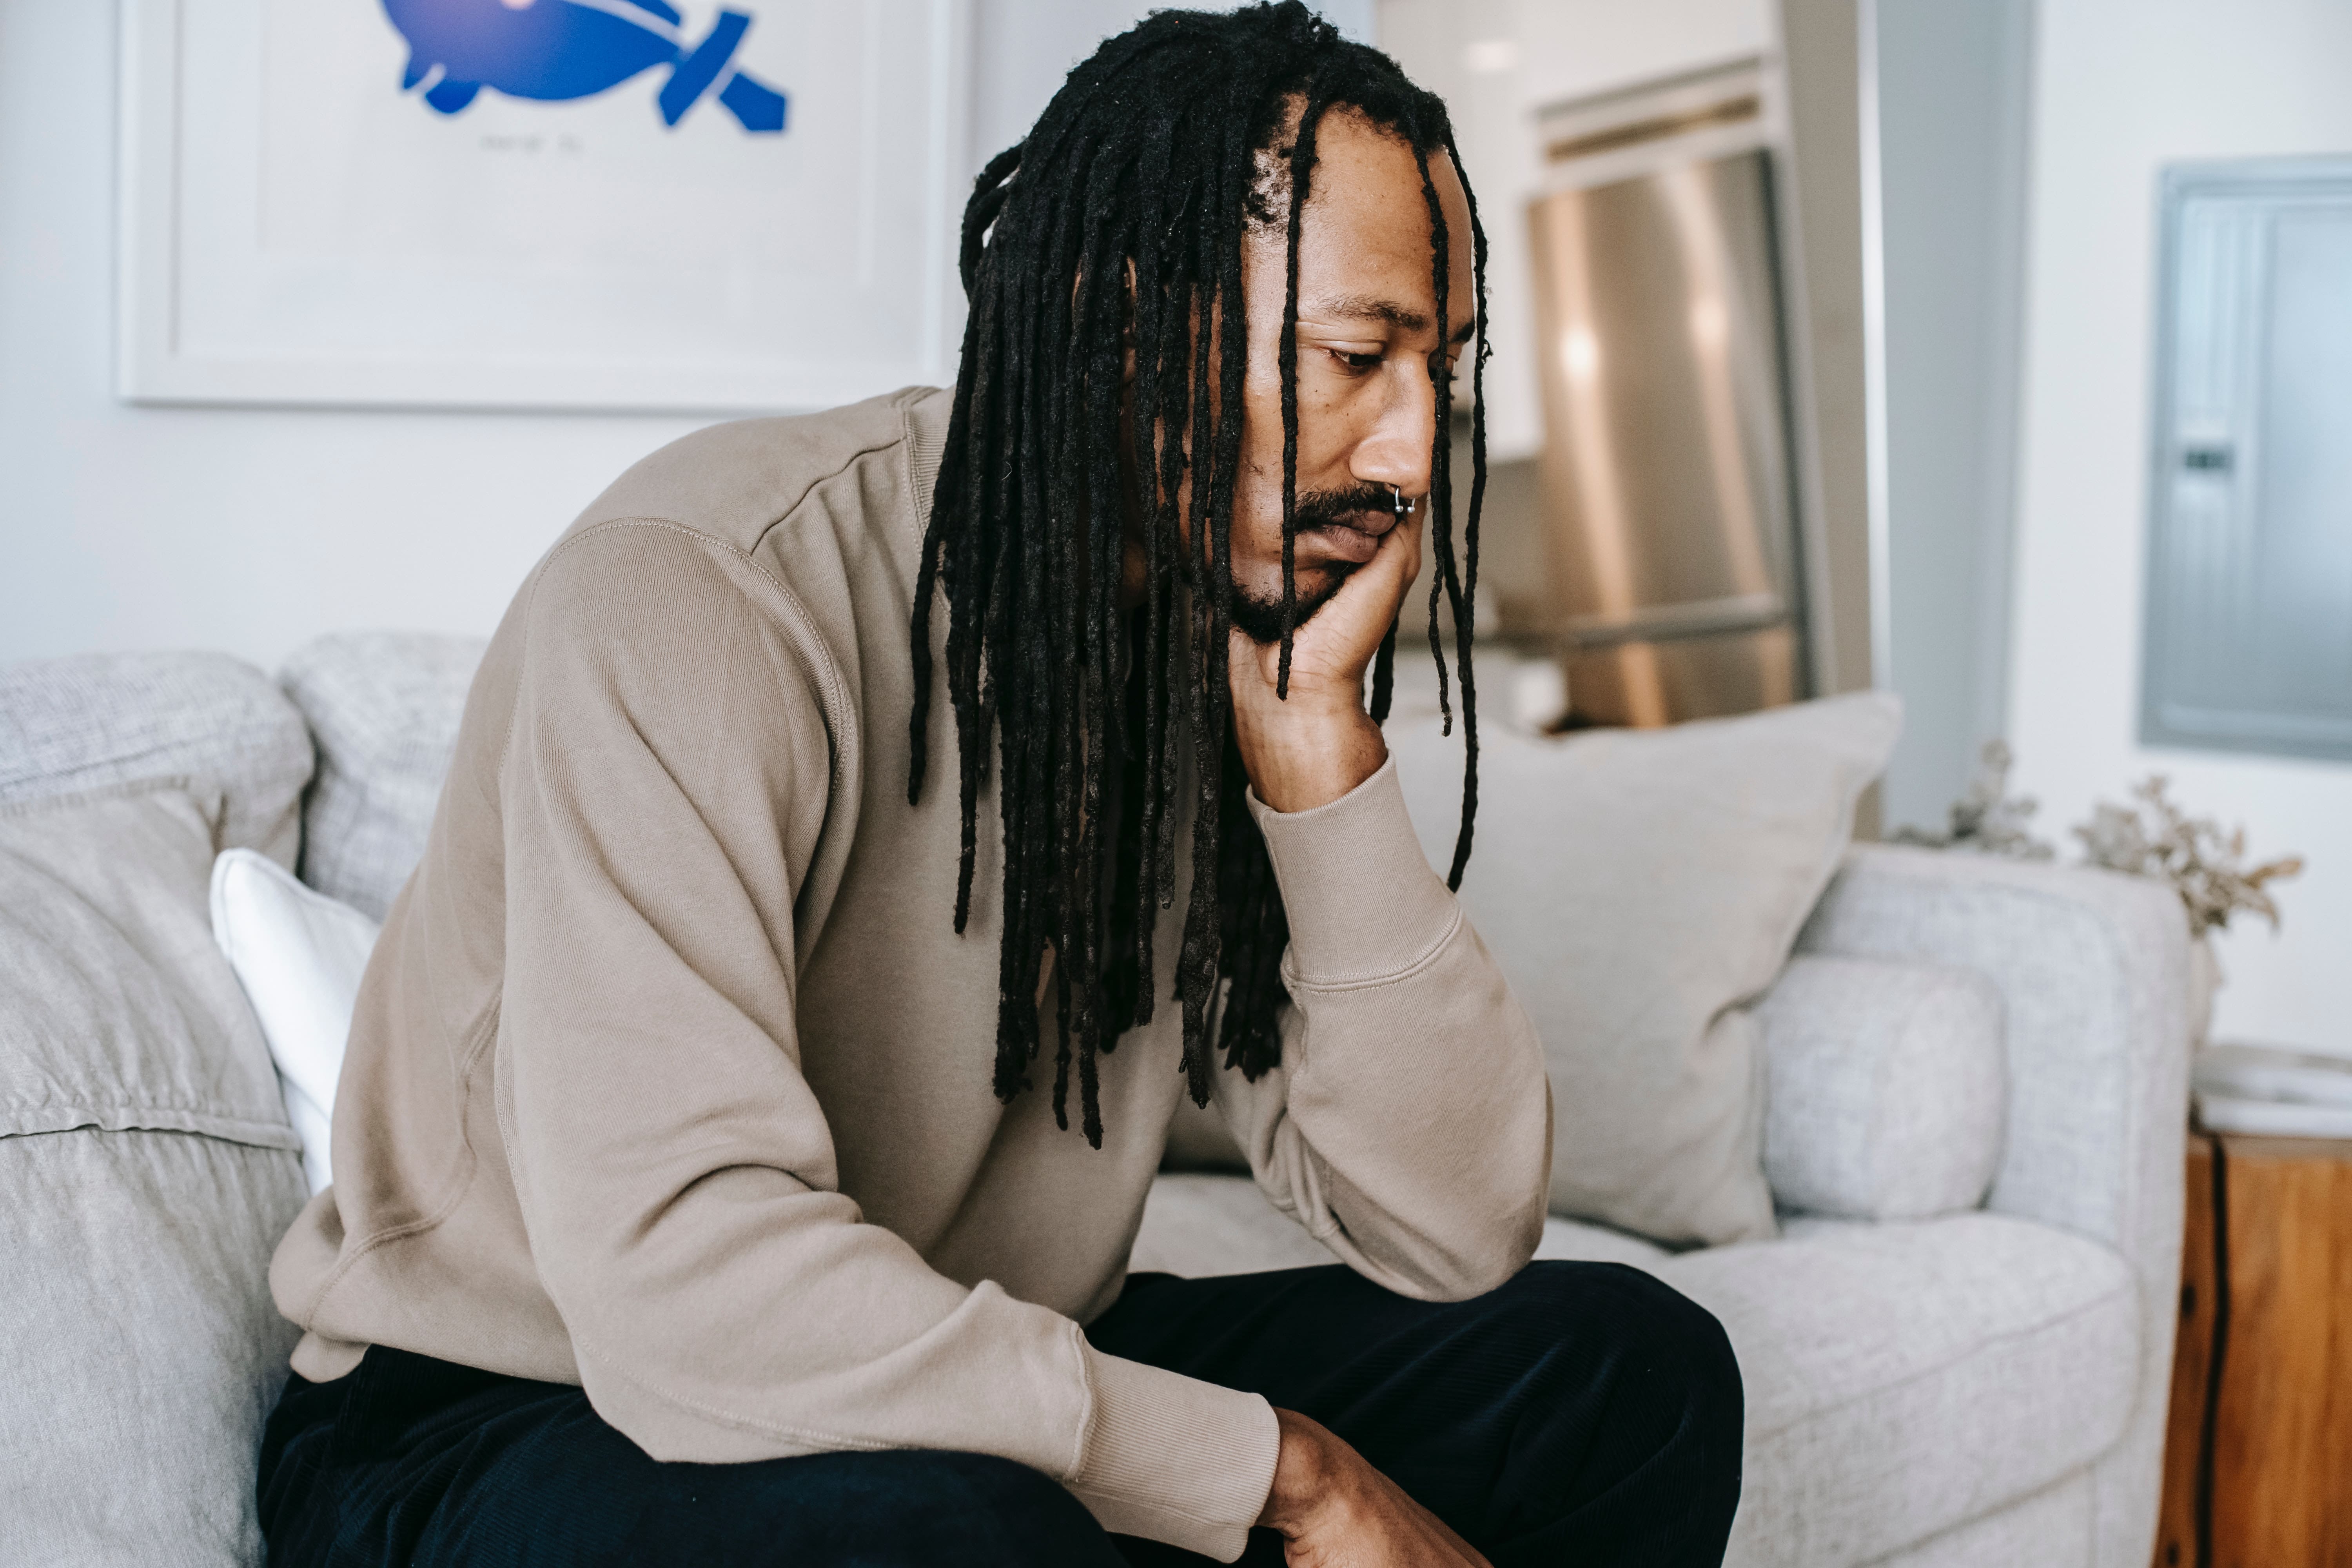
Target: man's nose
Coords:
[[1395, 454]]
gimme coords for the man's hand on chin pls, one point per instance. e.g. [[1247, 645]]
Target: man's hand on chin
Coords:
[[1319, 743], [1334, 1510]]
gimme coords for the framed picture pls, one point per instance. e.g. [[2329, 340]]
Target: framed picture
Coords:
[[635, 205]]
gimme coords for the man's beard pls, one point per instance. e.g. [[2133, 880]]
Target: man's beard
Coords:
[[1260, 619]]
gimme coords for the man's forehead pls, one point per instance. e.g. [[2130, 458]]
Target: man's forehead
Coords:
[[1364, 241]]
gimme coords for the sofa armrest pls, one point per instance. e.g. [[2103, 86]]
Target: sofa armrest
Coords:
[[2093, 970], [2091, 967]]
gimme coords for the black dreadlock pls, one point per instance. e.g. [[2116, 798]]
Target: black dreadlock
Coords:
[[1117, 227]]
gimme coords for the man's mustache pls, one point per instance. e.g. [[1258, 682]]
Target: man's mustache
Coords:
[[1367, 509]]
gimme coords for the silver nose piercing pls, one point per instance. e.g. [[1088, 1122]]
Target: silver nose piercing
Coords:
[[1402, 505]]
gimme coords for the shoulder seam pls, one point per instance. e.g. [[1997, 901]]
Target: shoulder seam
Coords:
[[785, 514]]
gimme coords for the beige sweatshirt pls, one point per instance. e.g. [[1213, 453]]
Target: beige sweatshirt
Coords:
[[670, 1077]]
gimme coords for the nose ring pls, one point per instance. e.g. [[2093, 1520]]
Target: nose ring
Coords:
[[1402, 505]]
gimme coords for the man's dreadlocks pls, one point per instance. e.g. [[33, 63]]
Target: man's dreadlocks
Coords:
[[1117, 227]]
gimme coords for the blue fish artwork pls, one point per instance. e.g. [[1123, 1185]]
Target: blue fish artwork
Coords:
[[554, 51]]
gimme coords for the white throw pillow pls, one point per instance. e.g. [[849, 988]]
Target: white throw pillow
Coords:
[[1639, 887], [299, 955]]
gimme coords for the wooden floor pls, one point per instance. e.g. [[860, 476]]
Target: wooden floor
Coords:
[[2258, 1456]]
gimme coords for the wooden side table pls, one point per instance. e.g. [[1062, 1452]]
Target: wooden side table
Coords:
[[2258, 1454]]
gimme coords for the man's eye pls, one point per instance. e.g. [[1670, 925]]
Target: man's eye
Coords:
[[1357, 363]]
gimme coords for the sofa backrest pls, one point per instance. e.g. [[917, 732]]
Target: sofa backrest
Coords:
[[383, 710], [69, 725]]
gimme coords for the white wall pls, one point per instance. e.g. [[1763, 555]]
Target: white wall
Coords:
[[249, 530], [1950, 95], [2124, 87], [253, 530]]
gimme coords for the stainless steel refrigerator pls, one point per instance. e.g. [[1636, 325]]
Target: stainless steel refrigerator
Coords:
[[1669, 509]]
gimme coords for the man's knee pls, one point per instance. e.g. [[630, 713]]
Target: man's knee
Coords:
[[1648, 1331]]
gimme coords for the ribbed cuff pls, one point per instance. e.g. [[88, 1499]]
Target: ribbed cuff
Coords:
[[1363, 902], [1175, 1460]]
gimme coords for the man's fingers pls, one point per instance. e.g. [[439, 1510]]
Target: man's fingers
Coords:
[[1359, 614], [1336, 646]]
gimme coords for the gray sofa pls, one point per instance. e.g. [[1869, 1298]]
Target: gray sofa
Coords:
[[1985, 1386]]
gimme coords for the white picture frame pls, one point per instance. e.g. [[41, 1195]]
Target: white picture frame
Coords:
[[298, 226]]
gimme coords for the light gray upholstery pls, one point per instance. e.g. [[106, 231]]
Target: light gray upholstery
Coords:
[[1903, 1378], [2050, 1528], [1887, 1087], [384, 708], [93, 720], [116, 1009], [144, 1352], [146, 1173], [2092, 971]]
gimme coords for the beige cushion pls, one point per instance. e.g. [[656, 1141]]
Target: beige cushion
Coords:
[[146, 1171], [1639, 886]]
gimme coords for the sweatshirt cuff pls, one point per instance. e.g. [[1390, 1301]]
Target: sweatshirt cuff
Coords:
[[1362, 902], [1173, 1458]]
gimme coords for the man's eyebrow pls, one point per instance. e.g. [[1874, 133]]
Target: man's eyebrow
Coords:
[[1388, 312]]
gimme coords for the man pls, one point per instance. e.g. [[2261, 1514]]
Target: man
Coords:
[[706, 1193]]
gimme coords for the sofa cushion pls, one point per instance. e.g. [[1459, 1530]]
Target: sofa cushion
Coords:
[[146, 1171], [119, 1011], [1902, 1378], [384, 707], [2057, 1527], [1638, 888], [94, 720], [1887, 1088], [1196, 1224], [144, 1351]]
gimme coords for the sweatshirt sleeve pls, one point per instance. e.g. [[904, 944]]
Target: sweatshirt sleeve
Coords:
[[665, 780], [1409, 1125]]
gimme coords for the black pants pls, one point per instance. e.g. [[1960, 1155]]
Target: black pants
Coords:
[[1583, 1413]]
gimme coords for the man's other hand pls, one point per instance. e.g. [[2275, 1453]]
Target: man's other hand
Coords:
[[1334, 1510]]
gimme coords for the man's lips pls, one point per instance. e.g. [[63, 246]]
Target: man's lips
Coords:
[[1344, 540]]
